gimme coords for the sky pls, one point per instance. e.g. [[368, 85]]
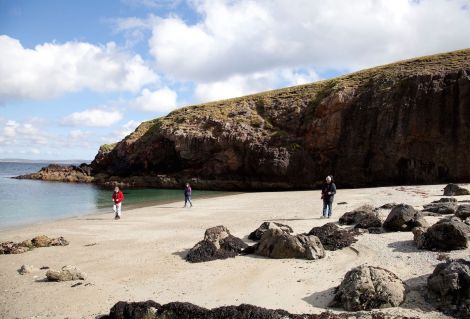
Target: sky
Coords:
[[78, 74]]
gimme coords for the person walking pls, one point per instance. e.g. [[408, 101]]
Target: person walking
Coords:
[[187, 195], [328, 192], [118, 197]]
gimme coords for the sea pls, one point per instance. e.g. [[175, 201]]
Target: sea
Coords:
[[25, 202]]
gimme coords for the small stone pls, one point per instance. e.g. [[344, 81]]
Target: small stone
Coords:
[[67, 273]]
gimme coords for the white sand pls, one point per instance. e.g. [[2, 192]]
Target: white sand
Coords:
[[140, 257]]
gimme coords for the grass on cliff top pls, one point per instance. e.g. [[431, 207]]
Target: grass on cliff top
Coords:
[[314, 92]]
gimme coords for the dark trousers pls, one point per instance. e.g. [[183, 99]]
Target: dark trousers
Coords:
[[327, 207], [187, 198]]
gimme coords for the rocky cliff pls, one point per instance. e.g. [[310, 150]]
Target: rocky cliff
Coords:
[[407, 122]]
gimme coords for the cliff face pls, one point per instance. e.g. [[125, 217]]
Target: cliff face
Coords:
[[407, 122]]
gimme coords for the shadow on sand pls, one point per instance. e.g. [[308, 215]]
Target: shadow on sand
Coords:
[[404, 246], [416, 294], [321, 299], [181, 253]]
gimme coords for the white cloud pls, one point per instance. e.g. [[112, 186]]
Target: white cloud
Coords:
[[161, 100], [93, 118], [52, 69], [125, 130], [244, 37], [23, 133], [239, 85]]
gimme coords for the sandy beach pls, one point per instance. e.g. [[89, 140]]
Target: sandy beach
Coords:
[[141, 257]]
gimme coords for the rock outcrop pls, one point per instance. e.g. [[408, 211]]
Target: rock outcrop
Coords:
[[404, 218], [63, 173], [455, 190], [449, 287], [258, 233], [368, 287], [445, 235], [393, 124], [275, 243], [218, 243], [183, 310], [333, 237], [67, 273]]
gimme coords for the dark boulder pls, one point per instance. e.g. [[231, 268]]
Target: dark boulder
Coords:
[[388, 206], [218, 243], [184, 310], [463, 211], [442, 208], [445, 200], [134, 310], [449, 287], [258, 233], [404, 218], [277, 244], [455, 190], [368, 287], [333, 237], [445, 235], [353, 217]]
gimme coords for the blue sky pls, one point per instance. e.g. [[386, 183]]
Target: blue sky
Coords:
[[77, 74]]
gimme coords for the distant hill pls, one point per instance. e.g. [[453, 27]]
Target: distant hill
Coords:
[[401, 123]]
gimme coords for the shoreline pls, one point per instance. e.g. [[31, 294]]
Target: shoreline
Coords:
[[108, 210], [141, 257]]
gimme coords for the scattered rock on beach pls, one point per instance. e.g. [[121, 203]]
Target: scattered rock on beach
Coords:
[[463, 211], [333, 237], [277, 244], [256, 234], [184, 310], [448, 287], [10, 247], [26, 245], [455, 190], [441, 207], [388, 205], [27, 269], [363, 217], [404, 218], [218, 243], [445, 235], [67, 273], [368, 287]]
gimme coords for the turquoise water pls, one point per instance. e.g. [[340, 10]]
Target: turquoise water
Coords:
[[27, 201]]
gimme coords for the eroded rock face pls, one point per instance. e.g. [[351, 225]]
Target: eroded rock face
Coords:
[[67, 273], [404, 218], [218, 243], [368, 287], [455, 190], [382, 126], [332, 237], [445, 235], [277, 244], [258, 233], [449, 287], [183, 310]]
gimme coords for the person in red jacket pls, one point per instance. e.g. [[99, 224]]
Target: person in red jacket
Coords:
[[118, 197]]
